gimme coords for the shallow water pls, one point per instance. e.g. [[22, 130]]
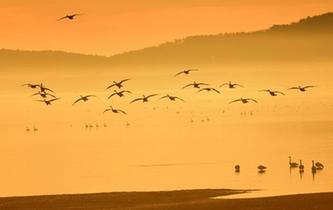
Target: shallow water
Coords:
[[163, 145]]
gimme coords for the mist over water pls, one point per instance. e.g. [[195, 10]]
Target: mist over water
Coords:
[[164, 145]]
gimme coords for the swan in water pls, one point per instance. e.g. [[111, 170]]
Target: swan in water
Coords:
[[237, 168], [116, 111], [209, 90], [300, 88], [171, 98], [187, 71], [301, 166], [292, 164], [117, 84], [120, 94], [244, 100], [83, 98], [144, 98], [262, 169], [313, 168], [231, 85], [319, 166], [69, 17], [272, 92]]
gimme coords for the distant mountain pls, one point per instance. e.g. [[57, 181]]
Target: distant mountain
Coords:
[[309, 39]]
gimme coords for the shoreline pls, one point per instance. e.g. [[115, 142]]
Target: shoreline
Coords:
[[174, 200]]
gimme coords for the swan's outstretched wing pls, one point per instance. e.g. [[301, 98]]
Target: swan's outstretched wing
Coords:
[[54, 99], [88, 96], [188, 85], [200, 83], [62, 18], [279, 92], [45, 88], [179, 73], [224, 84], [163, 97], [77, 101], [202, 89], [180, 99], [216, 90], [251, 99], [235, 101], [309, 86], [110, 86], [113, 94], [152, 95], [239, 85], [106, 110], [189, 70], [293, 88], [125, 91], [264, 90], [119, 110], [137, 99], [124, 80]]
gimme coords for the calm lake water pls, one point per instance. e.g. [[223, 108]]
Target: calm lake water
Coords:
[[163, 145]]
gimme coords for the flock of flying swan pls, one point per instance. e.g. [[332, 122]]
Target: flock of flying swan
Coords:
[[48, 96]]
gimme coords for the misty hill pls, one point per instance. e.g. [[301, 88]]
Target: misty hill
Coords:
[[309, 39]]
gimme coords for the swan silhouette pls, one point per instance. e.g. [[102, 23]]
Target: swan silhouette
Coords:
[[237, 168], [300, 88], [231, 85], [313, 168], [83, 98], [33, 86], [44, 89], [208, 90], [272, 92], [171, 98], [187, 71], [244, 100], [117, 84], [292, 164], [43, 94], [195, 85], [120, 94], [116, 111], [144, 98], [319, 166], [48, 102], [301, 166], [69, 17]]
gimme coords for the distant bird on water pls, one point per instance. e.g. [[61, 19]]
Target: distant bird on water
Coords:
[[292, 164], [313, 168], [272, 92], [195, 85], [262, 169], [117, 84], [120, 94], [302, 89], [237, 168], [209, 90], [232, 85], [48, 102], [187, 71], [319, 166], [244, 100], [171, 98], [144, 98], [301, 166], [116, 111], [83, 98], [69, 17]]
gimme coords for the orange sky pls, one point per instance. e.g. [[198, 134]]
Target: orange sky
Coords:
[[113, 26]]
